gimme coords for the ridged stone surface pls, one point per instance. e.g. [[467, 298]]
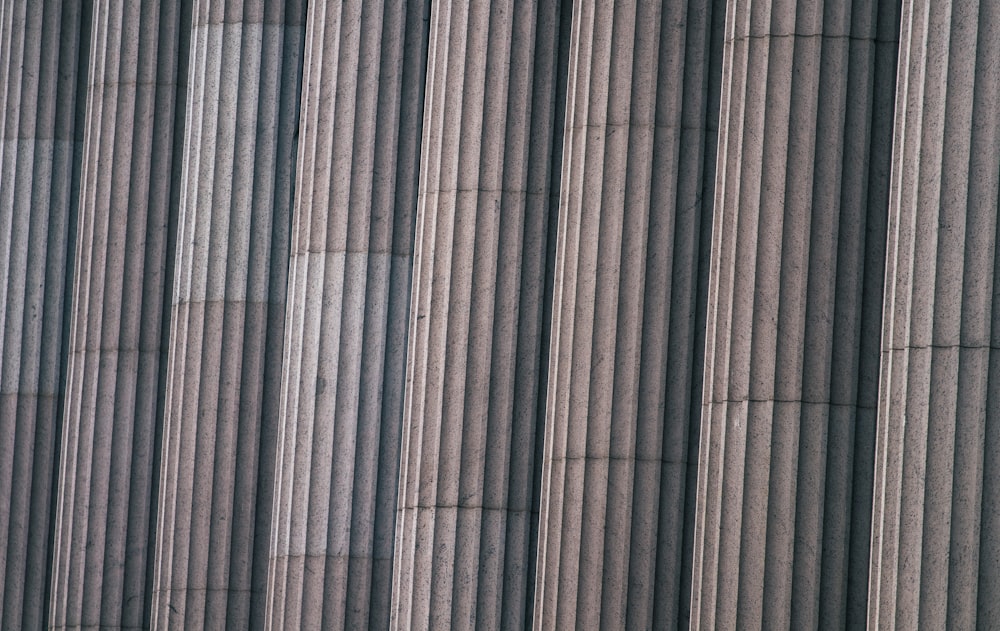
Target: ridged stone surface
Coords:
[[791, 378], [43, 53], [936, 538], [634, 225], [346, 324], [117, 350], [464, 535], [227, 315]]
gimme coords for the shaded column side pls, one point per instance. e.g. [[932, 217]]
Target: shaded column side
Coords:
[[794, 303], [348, 303], [226, 322]]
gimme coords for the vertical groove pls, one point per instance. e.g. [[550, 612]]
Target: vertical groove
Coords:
[[103, 550], [348, 301], [797, 257], [640, 137], [463, 532], [226, 323], [934, 527], [41, 80]]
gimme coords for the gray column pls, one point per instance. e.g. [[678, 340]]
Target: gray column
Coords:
[[617, 505], [936, 536], [227, 315], [784, 488], [346, 324], [464, 540], [43, 53], [102, 566]]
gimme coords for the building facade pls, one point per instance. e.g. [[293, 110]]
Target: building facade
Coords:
[[499, 314]]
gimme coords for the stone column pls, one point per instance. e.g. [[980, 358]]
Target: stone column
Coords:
[[43, 53], [346, 324], [117, 349], [471, 419], [227, 315], [935, 560], [634, 226], [784, 488]]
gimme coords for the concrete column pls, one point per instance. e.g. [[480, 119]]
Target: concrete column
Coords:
[[619, 469], [464, 533], [227, 315], [43, 53], [102, 567], [935, 560], [346, 323], [784, 488]]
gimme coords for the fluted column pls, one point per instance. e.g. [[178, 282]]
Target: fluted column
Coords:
[[935, 559], [227, 315], [42, 78], [346, 323], [784, 488], [617, 505], [102, 566], [471, 420]]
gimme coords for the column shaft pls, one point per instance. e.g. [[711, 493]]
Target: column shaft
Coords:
[[616, 521], [346, 324], [464, 534], [936, 535], [117, 347], [227, 315], [42, 44], [784, 489]]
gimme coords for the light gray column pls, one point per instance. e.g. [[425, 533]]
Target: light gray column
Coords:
[[42, 78], [784, 488], [346, 324], [102, 565], [227, 315], [464, 535], [634, 226], [935, 559]]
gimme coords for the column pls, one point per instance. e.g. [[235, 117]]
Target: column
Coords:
[[471, 418], [634, 224], [784, 487], [348, 304], [117, 348], [43, 53], [227, 314], [935, 559]]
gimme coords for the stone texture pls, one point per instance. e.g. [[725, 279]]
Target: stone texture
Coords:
[[102, 565], [227, 315], [42, 80], [935, 550], [634, 226], [784, 489], [346, 324], [472, 412]]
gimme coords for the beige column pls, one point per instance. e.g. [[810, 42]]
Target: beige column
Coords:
[[622, 414], [784, 482], [471, 417], [935, 560], [117, 349], [43, 53], [348, 302], [227, 315]]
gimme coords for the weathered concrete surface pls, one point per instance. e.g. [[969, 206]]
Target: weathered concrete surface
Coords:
[[624, 376], [784, 490], [475, 365], [227, 316], [43, 53], [346, 323]]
